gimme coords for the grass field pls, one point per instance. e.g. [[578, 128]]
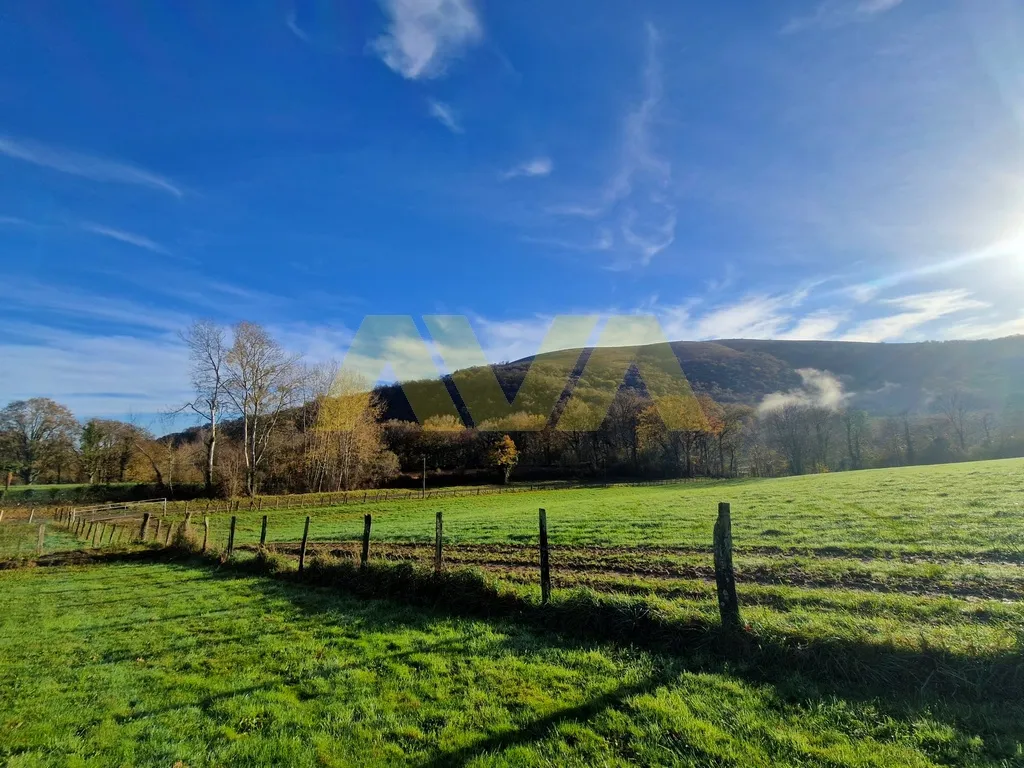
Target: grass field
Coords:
[[975, 508], [884, 607], [156, 664]]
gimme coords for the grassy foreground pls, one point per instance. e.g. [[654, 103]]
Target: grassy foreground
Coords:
[[163, 664]]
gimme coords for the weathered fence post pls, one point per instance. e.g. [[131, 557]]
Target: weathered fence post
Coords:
[[99, 535], [144, 528], [725, 578], [231, 537], [438, 527], [31, 515], [545, 564], [188, 519], [263, 532], [88, 533], [167, 536], [41, 539], [1, 515], [302, 549], [365, 554], [156, 533], [206, 532], [110, 540]]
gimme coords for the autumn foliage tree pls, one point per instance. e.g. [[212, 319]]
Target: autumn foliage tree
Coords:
[[36, 434], [505, 456]]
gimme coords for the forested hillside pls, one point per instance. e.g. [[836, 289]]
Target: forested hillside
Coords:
[[883, 379]]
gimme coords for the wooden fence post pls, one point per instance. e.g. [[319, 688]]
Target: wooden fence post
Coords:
[[41, 539], [302, 549], [206, 532], [231, 537], [188, 519], [365, 554], [31, 515], [156, 533], [725, 577], [167, 536], [99, 538], [113, 528], [545, 563], [144, 529], [1, 515], [437, 543], [263, 532]]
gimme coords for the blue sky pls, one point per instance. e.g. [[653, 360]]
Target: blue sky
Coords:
[[847, 169]]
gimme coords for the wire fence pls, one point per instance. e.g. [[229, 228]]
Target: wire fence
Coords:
[[118, 526], [319, 500]]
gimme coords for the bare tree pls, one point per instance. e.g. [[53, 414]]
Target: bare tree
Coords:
[[855, 423], [955, 407], [790, 428], [261, 381], [208, 351]]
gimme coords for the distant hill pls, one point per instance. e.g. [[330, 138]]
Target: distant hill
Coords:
[[881, 378]]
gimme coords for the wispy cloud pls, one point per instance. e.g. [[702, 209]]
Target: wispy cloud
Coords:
[[445, 114], [95, 375], [425, 35], [292, 22], [817, 325], [1005, 248], [838, 13], [981, 328], [86, 166], [33, 298], [538, 166], [915, 311], [125, 237], [604, 240], [635, 199]]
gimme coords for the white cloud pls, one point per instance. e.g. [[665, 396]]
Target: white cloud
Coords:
[[815, 326], [292, 22], [604, 240], [838, 13], [108, 356], [69, 303], [538, 166], [445, 115], [635, 198], [95, 375], [977, 328], [820, 389], [125, 237], [86, 166], [425, 35], [752, 317], [918, 309]]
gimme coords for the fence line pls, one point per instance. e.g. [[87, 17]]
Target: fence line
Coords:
[[94, 531], [332, 499]]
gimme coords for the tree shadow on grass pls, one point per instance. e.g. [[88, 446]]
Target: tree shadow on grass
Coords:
[[971, 694]]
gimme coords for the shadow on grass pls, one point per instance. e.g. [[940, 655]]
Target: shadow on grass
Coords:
[[973, 694]]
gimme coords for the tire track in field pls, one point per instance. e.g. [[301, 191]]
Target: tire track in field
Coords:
[[605, 564]]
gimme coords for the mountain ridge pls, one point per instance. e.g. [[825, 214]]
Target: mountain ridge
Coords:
[[880, 377]]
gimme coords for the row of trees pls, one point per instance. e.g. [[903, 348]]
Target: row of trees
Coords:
[[40, 440], [270, 423]]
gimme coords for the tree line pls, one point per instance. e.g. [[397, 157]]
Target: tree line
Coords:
[[270, 423]]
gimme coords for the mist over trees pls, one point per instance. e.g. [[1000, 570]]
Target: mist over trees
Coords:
[[267, 422]]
